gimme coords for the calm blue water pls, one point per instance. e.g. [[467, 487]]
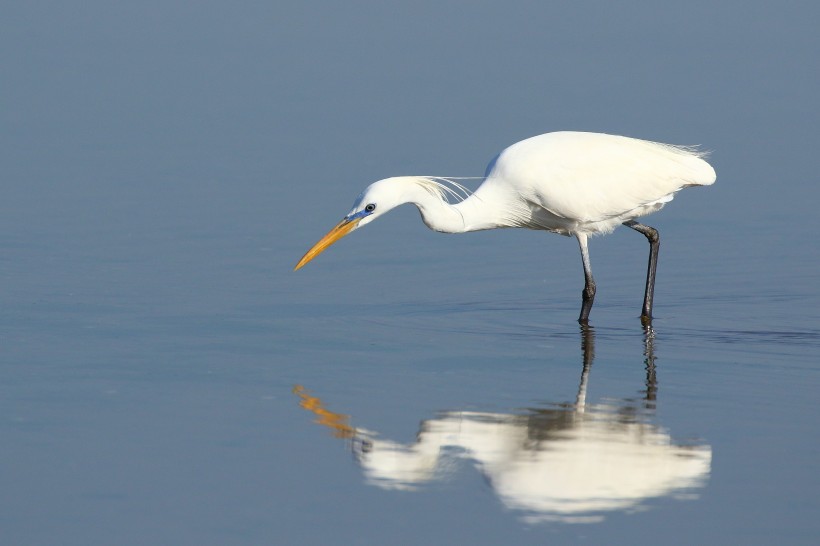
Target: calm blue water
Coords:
[[167, 379]]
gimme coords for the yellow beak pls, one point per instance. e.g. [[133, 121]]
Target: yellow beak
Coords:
[[342, 228]]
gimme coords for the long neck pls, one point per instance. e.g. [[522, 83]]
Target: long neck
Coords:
[[472, 214]]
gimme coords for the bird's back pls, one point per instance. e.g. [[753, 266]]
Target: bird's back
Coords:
[[592, 182]]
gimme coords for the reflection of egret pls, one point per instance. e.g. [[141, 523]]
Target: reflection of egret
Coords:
[[570, 183], [567, 462], [336, 422]]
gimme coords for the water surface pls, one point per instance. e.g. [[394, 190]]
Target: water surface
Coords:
[[167, 379]]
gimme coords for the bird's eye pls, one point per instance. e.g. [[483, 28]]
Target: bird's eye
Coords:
[[371, 207]]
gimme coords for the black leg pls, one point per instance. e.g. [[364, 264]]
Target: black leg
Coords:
[[588, 294], [654, 239]]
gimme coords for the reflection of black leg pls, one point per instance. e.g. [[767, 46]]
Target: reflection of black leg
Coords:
[[651, 392], [588, 350], [654, 239], [588, 344], [588, 295]]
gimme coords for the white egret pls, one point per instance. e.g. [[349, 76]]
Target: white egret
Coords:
[[570, 183]]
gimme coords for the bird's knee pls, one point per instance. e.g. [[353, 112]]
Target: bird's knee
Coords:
[[648, 231]]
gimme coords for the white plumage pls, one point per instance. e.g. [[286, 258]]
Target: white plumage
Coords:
[[570, 183], [592, 182]]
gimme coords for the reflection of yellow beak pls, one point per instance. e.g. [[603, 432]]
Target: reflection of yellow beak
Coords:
[[342, 228]]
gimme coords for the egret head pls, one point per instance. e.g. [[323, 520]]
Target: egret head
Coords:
[[378, 198]]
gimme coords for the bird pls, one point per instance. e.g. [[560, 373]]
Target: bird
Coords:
[[570, 183]]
